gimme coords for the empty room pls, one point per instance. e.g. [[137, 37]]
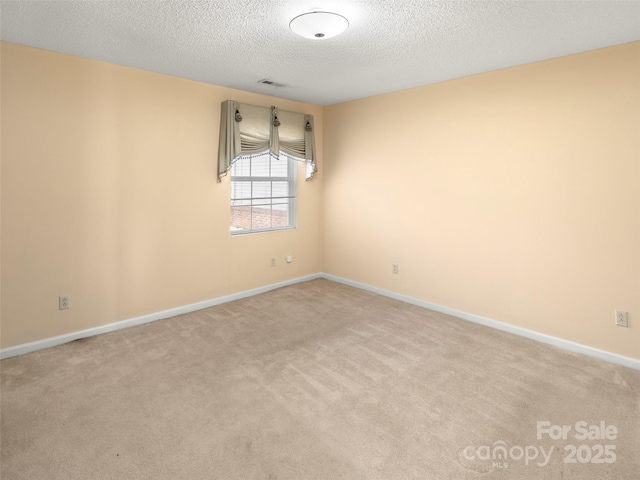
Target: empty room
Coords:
[[309, 240]]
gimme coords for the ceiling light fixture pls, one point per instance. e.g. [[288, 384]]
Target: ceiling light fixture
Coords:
[[319, 25]]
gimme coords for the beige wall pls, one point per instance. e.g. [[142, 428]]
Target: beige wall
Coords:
[[513, 195], [109, 195]]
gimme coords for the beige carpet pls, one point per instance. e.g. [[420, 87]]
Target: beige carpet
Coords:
[[313, 381]]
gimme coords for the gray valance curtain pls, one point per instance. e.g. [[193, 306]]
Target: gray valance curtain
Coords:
[[249, 129]]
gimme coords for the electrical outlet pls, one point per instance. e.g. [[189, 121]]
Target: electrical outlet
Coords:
[[63, 302], [273, 262], [394, 268], [622, 319], [289, 258]]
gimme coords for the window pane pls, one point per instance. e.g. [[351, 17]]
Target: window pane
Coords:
[[280, 189], [240, 189], [280, 216], [261, 189], [240, 218], [279, 168], [240, 203], [260, 166], [261, 217]]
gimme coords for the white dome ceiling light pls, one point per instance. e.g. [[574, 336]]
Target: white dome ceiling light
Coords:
[[319, 25]]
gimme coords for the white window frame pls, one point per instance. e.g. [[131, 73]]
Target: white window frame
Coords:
[[253, 201]]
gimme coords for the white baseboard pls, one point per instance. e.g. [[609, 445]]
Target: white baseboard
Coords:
[[505, 327], [151, 317]]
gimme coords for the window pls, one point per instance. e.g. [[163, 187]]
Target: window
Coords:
[[263, 193], [262, 147]]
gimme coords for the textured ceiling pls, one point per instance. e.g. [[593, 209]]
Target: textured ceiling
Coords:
[[390, 45]]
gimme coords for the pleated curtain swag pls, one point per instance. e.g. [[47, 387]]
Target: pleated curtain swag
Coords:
[[247, 130]]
